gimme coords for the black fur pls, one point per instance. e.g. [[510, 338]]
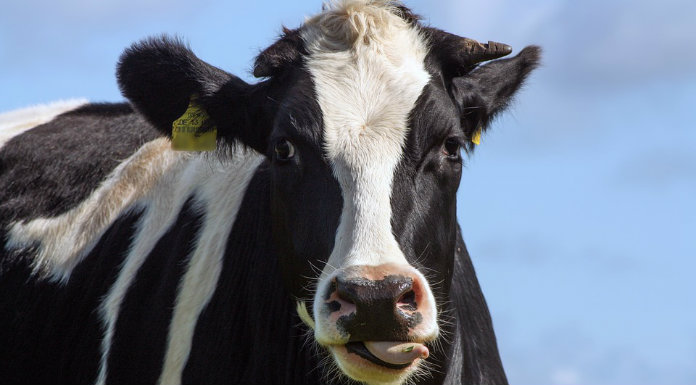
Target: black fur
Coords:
[[250, 328], [161, 75], [149, 303], [50, 333], [51, 168], [287, 51], [489, 89]]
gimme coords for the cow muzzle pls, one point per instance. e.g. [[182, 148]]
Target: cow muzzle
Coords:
[[376, 321]]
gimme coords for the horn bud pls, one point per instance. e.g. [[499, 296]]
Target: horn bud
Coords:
[[460, 55], [479, 52]]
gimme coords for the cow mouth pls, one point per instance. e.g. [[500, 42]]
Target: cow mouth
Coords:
[[360, 349], [387, 354]]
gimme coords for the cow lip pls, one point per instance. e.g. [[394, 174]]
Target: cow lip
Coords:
[[360, 349]]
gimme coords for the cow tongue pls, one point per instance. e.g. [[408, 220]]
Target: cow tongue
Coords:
[[397, 353]]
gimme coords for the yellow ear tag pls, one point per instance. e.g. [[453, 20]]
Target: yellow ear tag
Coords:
[[476, 139], [185, 135]]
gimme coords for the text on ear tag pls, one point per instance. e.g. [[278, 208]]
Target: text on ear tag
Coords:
[[186, 135]]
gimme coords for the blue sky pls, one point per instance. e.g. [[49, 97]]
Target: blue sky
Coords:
[[578, 208]]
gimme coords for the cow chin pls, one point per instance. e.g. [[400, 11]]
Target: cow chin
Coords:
[[363, 370], [357, 361]]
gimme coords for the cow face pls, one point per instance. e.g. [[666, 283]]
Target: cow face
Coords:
[[362, 118]]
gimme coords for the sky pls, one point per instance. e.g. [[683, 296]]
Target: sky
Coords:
[[579, 206]]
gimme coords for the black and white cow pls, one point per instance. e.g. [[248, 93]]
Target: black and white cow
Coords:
[[318, 243]]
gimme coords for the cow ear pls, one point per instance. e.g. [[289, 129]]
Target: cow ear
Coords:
[[161, 75], [489, 89], [285, 51]]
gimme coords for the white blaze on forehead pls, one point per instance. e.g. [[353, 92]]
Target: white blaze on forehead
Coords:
[[368, 70]]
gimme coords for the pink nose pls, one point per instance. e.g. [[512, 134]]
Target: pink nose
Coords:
[[376, 303]]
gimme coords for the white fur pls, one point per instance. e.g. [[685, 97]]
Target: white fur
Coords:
[[158, 181], [218, 188], [63, 241], [220, 196], [15, 122], [368, 70]]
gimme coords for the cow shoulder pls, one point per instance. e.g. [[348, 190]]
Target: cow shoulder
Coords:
[[51, 168]]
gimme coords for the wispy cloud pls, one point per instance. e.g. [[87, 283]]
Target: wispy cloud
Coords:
[[565, 376], [620, 42], [656, 168]]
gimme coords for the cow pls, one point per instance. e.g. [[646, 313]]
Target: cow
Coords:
[[316, 242]]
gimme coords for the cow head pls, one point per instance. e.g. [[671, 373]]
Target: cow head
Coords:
[[362, 114]]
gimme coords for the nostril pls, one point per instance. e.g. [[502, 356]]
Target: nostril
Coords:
[[338, 297], [408, 301], [347, 290], [334, 306], [339, 292]]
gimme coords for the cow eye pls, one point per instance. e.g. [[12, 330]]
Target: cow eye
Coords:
[[284, 150], [451, 147]]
